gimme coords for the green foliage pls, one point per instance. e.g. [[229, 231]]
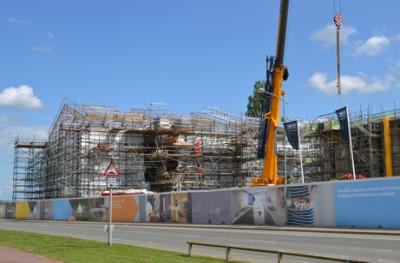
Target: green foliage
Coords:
[[78, 250], [256, 102]]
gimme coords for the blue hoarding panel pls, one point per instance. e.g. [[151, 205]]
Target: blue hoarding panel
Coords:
[[62, 209], [372, 203]]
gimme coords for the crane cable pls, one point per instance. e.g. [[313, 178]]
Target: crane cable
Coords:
[[338, 20], [337, 6]]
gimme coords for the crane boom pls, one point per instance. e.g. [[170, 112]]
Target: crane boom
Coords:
[[270, 170], [283, 19]]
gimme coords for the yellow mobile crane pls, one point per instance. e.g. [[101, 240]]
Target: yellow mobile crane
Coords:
[[270, 170]]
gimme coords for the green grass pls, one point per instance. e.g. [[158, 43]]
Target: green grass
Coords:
[[79, 250]]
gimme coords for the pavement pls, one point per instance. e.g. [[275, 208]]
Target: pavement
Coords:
[[372, 245], [10, 255]]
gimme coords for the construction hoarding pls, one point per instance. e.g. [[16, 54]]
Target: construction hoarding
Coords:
[[374, 203], [125, 209], [363, 203], [211, 207]]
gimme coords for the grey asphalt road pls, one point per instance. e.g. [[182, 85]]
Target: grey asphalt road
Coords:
[[375, 248]]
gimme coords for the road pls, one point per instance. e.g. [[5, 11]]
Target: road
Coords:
[[376, 247]]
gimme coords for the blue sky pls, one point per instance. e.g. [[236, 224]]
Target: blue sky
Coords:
[[186, 54]]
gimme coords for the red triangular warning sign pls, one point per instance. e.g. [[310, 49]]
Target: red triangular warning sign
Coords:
[[111, 170]]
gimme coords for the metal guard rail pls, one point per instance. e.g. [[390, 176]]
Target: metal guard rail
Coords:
[[280, 253]]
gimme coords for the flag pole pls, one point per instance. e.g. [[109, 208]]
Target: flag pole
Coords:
[[301, 155], [350, 144]]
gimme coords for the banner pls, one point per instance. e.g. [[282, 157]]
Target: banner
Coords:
[[292, 133], [344, 122], [262, 138]]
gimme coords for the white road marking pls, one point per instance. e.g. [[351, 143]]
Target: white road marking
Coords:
[[277, 233], [189, 236], [262, 241]]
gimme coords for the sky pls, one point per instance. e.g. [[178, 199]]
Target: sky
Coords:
[[187, 55]]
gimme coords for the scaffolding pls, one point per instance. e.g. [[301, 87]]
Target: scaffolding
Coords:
[[154, 149], [162, 150], [29, 170], [326, 154]]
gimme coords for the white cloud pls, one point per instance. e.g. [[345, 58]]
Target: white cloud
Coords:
[[42, 48], [14, 20], [395, 38], [357, 83], [21, 97], [10, 129], [45, 48], [373, 46], [50, 35], [396, 67], [327, 34]]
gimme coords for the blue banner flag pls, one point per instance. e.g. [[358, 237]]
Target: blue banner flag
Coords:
[[262, 138], [344, 122], [292, 133]]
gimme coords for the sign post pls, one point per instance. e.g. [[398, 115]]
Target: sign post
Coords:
[[111, 172], [110, 218]]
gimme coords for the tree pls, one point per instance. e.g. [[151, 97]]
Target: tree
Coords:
[[257, 102]]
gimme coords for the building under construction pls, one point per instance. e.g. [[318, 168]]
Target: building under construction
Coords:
[[155, 149], [214, 148], [326, 156]]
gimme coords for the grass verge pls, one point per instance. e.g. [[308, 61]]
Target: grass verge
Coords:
[[75, 250]]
